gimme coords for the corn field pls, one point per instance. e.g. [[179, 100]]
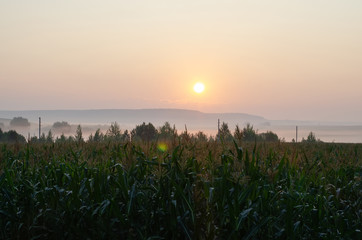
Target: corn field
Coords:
[[182, 190]]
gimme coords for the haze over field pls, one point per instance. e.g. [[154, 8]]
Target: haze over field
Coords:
[[128, 119], [279, 59]]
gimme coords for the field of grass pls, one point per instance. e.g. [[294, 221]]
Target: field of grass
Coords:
[[180, 190]]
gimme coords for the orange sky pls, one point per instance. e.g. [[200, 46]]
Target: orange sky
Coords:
[[278, 59]]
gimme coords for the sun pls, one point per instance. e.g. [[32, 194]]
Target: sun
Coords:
[[199, 87]]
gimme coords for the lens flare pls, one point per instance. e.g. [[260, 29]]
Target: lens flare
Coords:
[[162, 147]]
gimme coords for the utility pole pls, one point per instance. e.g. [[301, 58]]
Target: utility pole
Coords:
[[218, 127], [218, 130], [39, 127], [296, 133]]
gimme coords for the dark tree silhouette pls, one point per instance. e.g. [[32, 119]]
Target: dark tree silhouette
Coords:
[[63, 127], [224, 133], [167, 132], [238, 133], [114, 132], [269, 136], [19, 122], [79, 135], [249, 134], [144, 132], [11, 137]]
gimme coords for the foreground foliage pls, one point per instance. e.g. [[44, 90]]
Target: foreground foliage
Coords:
[[193, 190]]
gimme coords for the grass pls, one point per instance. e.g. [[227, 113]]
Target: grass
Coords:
[[193, 190]]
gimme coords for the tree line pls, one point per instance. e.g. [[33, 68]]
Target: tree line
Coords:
[[148, 132], [143, 132]]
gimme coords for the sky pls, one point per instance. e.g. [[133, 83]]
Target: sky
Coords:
[[280, 59]]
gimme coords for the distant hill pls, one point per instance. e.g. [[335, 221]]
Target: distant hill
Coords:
[[179, 117]]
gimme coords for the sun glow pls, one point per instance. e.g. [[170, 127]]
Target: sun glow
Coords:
[[199, 87]]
